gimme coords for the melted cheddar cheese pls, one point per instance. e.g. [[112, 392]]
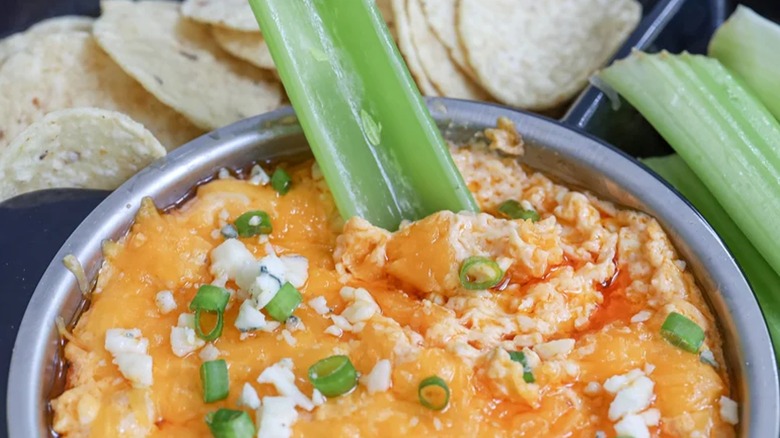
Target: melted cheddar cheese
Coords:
[[585, 293]]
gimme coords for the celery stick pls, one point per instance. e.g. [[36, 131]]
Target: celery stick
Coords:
[[378, 147], [762, 278], [727, 137], [749, 45]]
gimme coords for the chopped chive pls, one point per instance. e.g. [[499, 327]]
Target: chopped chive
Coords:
[[210, 299], [229, 232], [214, 380], [229, 423], [284, 303], [281, 181], [513, 210], [253, 223], [519, 357], [434, 393], [682, 332], [479, 273], [333, 376]]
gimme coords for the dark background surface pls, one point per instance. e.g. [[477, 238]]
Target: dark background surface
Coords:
[[34, 226]]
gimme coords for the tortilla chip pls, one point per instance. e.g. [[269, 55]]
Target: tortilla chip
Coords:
[[177, 60], [81, 147], [68, 70], [538, 54], [448, 79], [64, 23], [18, 41], [232, 14], [249, 46], [440, 15], [406, 46]]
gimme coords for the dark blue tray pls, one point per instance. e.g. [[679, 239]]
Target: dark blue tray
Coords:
[[37, 224]]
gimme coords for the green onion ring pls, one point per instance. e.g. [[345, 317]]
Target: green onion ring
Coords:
[[281, 181], [513, 210], [682, 332], [333, 376], [481, 263], [229, 423], [284, 303], [433, 381]]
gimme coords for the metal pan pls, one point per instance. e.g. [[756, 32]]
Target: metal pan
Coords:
[[565, 153]]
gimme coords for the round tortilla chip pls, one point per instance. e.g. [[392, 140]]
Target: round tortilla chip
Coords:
[[406, 46], [64, 23], [435, 59], [538, 54], [80, 147], [249, 46], [178, 61], [232, 14], [68, 23], [68, 70], [440, 15]]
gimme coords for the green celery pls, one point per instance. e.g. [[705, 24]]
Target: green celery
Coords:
[[749, 45], [727, 137], [763, 279], [380, 151]]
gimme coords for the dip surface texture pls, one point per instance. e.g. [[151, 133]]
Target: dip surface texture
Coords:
[[585, 292]]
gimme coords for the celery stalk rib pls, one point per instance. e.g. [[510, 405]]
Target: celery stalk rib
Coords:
[[727, 137], [380, 151], [762, 278], [749, 45]]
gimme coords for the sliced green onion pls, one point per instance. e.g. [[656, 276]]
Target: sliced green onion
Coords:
[[284, 303], [379, 149], [682, 332], [229, 423], [479, 273], [281, 181], [763, 279], [513, 210], [747, 44], [519, 357], [333, 376], [721, 130], [210, 299], [434, 393], [253, 223], [214, 380]]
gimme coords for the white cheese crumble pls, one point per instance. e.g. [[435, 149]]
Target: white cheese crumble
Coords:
[[186, 320], [554, 349], [320, 305], [379, 379], [642, 316], [362, 308], [317, 398], [209, 353], [592, 388], [229, 258], [129, 348], [652, 417], [184, 341], [281, 376], [634, 393], [297, 269], [271, 278], [729, 411], [249, 397], [258, 177], [249, 318], [276, 417], [165, 301], [289, 338], [334, 331], [633, 426]]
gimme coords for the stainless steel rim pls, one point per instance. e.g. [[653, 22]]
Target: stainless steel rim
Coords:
[[570, 155]]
